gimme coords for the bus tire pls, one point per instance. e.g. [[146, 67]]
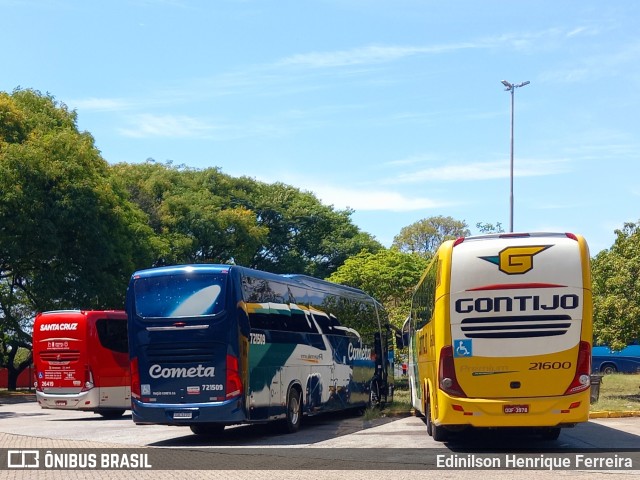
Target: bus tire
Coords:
[[110, 413], [294, 411], [427, 415], [608, 369], [438, 433], [207, 428]]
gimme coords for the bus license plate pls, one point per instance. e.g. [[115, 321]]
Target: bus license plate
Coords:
[[515, 409], [182, 415], [61, 403]]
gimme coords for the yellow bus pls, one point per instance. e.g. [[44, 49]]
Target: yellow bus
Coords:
[[500, 332]]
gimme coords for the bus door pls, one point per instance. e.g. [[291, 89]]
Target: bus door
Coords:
[[516, 315], [183, 340], [110, 358]]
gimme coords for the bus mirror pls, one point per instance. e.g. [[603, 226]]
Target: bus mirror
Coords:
[[399, 340]]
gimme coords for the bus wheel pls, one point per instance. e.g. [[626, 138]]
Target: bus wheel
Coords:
[[207, 428], [294, 412], [608, 369], [438, 433], [110, 413], [427, 415]]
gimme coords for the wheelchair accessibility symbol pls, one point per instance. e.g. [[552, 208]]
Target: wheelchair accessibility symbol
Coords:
[[462, 348]]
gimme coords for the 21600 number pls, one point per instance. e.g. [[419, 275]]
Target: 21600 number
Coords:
[[550, 366]]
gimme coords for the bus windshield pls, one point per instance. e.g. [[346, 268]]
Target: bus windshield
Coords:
[[172, 296]]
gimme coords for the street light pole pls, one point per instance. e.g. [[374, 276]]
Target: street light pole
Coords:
[[510, 87]]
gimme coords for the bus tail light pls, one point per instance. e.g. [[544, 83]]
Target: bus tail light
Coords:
[[447, 379], [234, 382], [88, 379], [582, 379], [135, 378]]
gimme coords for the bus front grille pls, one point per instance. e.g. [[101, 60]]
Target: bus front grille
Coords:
[[181, 353], [516, 326], [60, 356]]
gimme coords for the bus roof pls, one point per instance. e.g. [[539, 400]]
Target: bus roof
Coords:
[[80, 312], [498, 236], [291, 279]]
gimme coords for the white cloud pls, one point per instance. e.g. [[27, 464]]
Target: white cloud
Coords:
[[100, 104], [483, 171], [365, 55], [373, 200], [361, 198], [168, 126], [374, 54]]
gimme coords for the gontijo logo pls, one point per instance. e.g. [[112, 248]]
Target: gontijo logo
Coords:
[[516, 260]]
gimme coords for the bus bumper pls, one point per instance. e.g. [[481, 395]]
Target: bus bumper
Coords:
[[88, 400], [228, 412], [513, 412]]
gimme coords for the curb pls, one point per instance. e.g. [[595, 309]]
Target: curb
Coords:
[[607, 414]]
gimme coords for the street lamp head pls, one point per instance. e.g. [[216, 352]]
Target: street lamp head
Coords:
[[507, 85]]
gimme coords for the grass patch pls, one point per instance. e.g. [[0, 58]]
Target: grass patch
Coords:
[[401, 402], [618, 393]]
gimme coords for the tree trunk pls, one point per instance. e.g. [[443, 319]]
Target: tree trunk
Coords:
[[12, 378]]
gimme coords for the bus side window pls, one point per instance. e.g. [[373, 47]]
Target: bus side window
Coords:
[[113, 334], [424, 298]]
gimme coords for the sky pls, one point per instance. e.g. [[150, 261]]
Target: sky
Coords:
[[394, 109]]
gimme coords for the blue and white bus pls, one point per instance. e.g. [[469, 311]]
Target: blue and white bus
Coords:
[[216, 345]]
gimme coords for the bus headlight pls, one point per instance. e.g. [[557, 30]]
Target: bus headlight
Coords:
[[446, 383], [88, 385], [584, 379]]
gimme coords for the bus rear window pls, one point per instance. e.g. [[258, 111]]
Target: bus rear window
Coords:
[[174, 296]]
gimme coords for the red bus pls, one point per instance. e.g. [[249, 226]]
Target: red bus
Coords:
[[82, 362]]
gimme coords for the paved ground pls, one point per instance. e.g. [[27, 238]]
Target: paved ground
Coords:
[[623, 432]]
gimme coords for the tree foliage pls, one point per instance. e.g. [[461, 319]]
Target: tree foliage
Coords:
[[486, 228], [388, 275], [616, 289], [425, 236], [304, 235], [68, 236], [206, 216]]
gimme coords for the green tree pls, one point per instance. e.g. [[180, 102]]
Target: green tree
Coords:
[[485, 228], [616, 289], [68, 236], [207, 216], [305, 236], [193, 213], [425, 236], [388, 275]]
